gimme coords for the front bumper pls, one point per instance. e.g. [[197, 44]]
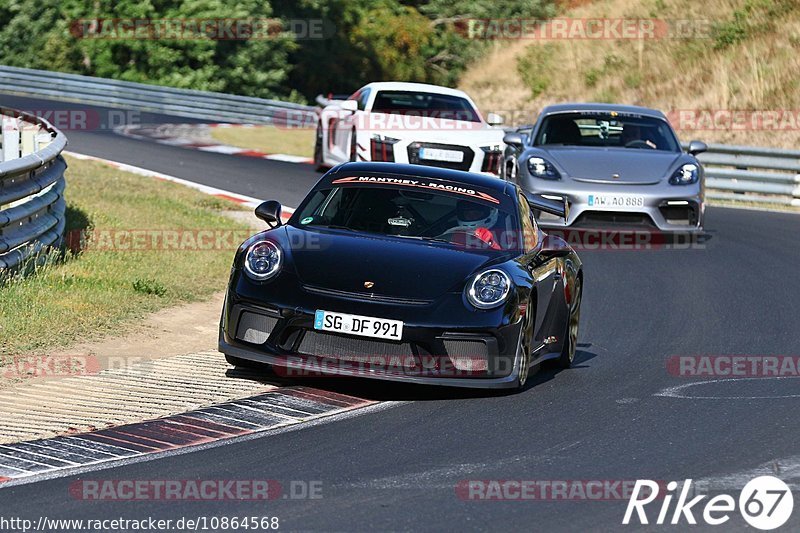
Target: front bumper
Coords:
[[298, 365], [666, 208], [430, 352]]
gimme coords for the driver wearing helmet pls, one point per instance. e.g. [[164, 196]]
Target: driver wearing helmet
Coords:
[[475, 221]]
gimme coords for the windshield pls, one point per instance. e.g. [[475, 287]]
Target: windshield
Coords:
[[425, 104], [420, 215], [607, 130]]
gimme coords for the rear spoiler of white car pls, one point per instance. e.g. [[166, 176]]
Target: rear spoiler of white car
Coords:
[[331, 98]]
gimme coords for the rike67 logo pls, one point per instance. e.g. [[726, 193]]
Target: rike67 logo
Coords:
[[765, 503]]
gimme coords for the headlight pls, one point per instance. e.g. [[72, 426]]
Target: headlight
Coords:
[[489, 289], [542, 168], [263, 260], [685, 175]]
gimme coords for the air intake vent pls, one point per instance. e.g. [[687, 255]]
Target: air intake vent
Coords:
[[352, 349], [255, 328], [467, 355]]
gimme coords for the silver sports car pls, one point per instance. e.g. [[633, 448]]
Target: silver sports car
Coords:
[[612, 164]]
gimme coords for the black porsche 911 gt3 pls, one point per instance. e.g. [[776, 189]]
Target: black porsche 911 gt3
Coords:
[[407, 273]]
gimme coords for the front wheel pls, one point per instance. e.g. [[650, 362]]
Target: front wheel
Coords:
[[524, 351], [571, 342]]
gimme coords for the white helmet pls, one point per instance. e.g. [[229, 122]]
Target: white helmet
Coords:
[[475, 215]]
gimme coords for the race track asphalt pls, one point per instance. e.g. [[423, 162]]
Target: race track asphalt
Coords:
[[398, 468]]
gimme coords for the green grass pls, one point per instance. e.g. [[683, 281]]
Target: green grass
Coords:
[[97, 292], [269, 139], [533, 68]]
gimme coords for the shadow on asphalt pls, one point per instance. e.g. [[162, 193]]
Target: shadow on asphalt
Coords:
[[382, 391]]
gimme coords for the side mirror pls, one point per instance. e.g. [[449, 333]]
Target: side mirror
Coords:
[[349, 105], [697, 147], [559, 208], [513, 139], [554, 246], [493, 119], [270, 212]]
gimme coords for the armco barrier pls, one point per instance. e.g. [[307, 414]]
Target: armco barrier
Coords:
[[203, 105], [733, 173], [750, 174], [32, 207]]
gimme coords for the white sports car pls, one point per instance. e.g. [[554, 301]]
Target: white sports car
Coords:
[[409, 123]]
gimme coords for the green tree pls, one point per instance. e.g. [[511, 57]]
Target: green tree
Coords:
[[48, 35]]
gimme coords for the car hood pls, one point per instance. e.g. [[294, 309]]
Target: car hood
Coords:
[[333, 260], [633, 166]]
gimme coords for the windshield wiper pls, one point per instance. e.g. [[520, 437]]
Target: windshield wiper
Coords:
[[335, 226], [421, 238]]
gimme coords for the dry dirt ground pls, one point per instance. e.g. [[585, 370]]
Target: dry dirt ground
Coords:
[[168, 365]]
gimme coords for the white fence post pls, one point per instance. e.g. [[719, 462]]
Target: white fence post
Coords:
[[27, 138], [10, 130]]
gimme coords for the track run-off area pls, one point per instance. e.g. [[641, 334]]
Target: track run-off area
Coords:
[[621, 413]]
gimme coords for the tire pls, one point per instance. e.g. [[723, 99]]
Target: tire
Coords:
[[567, 356], [524, 352], [353, 147], [319, 165]]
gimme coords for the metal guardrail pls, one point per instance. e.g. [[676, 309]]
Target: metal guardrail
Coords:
[[32, 206], [751, 174], [205, 105]]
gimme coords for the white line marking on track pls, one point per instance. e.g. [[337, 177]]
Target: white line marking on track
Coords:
[[677, 391], [220, 149], [288, 158]]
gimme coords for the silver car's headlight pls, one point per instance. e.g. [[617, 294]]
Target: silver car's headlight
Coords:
[[542, 168], [263, 260], [685, 175], [489, 289]]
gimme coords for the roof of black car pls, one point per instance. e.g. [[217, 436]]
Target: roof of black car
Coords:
[[633, 109], [421, 171]]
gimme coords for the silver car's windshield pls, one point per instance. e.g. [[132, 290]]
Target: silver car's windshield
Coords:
[[605, 130]]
